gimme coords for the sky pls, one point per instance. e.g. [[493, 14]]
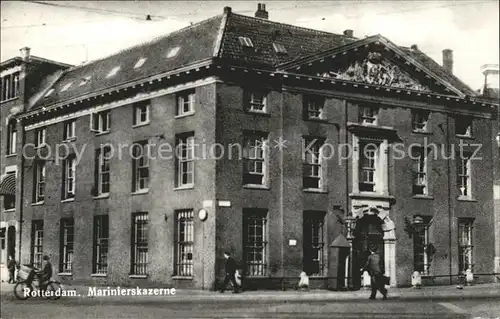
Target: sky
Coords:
[[77, 31]]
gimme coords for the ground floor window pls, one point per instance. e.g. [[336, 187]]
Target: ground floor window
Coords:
[[101, 234], [67, 245], [184, 243], [255, 241], [421, 245], [139, 264], [465, 245], [314, 243], [37, 243]]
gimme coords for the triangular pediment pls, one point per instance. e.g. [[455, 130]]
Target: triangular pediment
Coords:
[[375, 61]]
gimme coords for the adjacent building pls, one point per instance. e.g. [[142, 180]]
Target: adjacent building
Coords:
[[267, 140]]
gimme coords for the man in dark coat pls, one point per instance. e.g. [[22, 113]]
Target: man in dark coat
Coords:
[[46, 273], [377, 276], [11, 266], [230, 273]]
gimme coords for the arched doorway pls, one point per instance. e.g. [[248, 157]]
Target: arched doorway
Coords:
[[11, 241], [368, 233]]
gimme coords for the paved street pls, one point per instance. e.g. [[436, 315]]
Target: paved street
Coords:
[[434, 302]]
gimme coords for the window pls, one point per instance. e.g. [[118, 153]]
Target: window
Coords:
[[465, 245], [279, 48], [256, 101], [420, 184], [67, 86], [139, 265], [85, 80], [37, 243], [368, 115], [102, 182], [141, 113], [139, 63], [69, 177], [245, 42], [100, 122], [67, 245], [140, 166], [313, 107], [421, 248], [184, 243], [11, 137], [113, 72], [314, 243], [10, 86], [173, 52], [9, 201], [69, 132], [40, 137], [39, 182], [255, 159], [101, 234], [312, 170], [255, 242], [464, 175], [463, 126], [185, 160], [185, 103], [367, 166], [419, 120]]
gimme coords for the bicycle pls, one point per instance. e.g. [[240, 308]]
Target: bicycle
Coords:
[[28, 286]]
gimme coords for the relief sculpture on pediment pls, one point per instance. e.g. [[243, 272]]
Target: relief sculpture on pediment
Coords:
[[377, 71]]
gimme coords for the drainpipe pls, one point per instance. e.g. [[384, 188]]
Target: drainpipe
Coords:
[[347, 202], [21, 189], [450, 221]]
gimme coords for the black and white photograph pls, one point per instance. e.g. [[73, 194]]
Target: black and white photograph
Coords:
[[250, 159]]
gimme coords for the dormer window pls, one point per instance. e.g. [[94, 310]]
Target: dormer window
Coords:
[[139, 63], [279, 48], [113, 72], [368, 115], [85, 80], [67, 86], [173, 52], [245, 42], [49, 92]]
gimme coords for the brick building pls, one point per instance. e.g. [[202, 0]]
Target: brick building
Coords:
[[21, 79], [282, 102]]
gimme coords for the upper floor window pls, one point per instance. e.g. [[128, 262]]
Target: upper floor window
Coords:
[[185, 160], [312, 164], [314, 107], [9, 201], [100, 122], [140, 166], [69, 177], [10, 86], [69, 132], [40, 135], [256, 101], [368, 115], [255, 159], [368, 153], [463, 126], [420, 120], [464, 175], [39, 182], [185, 102], [420, 180], [102, 183], [141, 113], [11, 137]]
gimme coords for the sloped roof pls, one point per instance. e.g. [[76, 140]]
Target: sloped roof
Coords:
[[199, 42]]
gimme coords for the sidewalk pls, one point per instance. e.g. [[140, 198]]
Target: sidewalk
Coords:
[[185, 295]]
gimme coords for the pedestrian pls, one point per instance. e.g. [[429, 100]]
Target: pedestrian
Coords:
[[11, 266], [377, 277], [230, 273]]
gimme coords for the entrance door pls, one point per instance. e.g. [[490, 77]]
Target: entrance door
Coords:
[[368, 233]]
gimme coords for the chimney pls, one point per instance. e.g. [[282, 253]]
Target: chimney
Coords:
[[448, 60], [491, 80], [414, 47], [261, 11], [227, 10], [349, 33], [25, 53]]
